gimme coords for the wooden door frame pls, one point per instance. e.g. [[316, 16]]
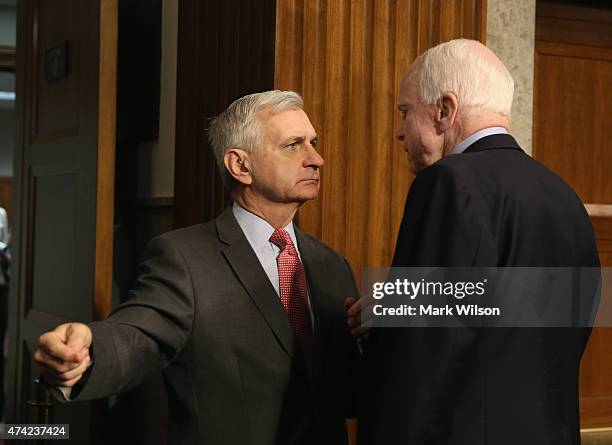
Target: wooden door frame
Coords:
[[23, 218]]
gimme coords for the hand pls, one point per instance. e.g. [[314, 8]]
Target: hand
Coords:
[[353, 316], [63, 354]]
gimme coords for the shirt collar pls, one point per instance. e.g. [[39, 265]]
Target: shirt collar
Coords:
[[464, 144], [256, 229]]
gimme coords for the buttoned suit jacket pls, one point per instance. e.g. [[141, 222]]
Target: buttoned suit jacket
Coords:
[[205, 312], [491, 206]]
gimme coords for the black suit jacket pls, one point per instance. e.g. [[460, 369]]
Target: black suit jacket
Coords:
[[493, 205], [205, 312]]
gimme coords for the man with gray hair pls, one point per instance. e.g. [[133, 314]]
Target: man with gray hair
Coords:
[[240, 313], [477, 200]]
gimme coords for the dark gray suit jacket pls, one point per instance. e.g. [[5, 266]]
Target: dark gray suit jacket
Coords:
[[205, 312]]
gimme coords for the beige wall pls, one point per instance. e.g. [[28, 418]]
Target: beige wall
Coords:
[[157, 157], [511, 34]]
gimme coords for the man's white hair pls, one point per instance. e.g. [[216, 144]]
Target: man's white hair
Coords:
[[461, 67], [240, 127]]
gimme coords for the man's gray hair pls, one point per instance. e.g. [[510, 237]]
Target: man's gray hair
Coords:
[[240, 127], [458, 66]]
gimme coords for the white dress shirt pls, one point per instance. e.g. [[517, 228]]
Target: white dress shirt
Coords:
[[461, 146]]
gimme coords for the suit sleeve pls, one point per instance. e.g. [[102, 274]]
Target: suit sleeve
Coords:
[[149, 330]]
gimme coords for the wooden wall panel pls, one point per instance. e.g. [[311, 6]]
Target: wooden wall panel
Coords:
[[596, 365], [346, 58], [572, 130], [571, 135], [574, 24], [225, 51]]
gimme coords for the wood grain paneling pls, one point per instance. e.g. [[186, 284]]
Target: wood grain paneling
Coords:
[[571, 135], [573, 24], [225, 51], [573, 116], [596, 366], [105, 172], [603, 231], [346, 58]]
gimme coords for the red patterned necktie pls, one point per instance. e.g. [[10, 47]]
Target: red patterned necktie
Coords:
[[294, 291]]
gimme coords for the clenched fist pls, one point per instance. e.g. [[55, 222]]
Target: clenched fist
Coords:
[[63, 354]]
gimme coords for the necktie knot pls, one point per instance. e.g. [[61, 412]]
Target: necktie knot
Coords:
[[281, 238]]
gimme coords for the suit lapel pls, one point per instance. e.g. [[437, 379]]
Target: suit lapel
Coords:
[[315, 274], [250, 273]]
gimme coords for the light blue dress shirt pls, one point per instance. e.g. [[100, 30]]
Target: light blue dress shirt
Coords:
[[461, 146], [258, 233]]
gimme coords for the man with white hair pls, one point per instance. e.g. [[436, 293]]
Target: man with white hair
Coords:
[[477, 200], [240, 312]]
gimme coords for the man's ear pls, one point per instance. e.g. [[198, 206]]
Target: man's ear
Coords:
[[447, 108], [237, 164]]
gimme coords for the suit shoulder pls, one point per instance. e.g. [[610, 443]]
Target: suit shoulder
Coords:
[[187, 236], [322, 248], [326, 262], [450, 167], [317, 244], [505, 165], [440, 176]]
